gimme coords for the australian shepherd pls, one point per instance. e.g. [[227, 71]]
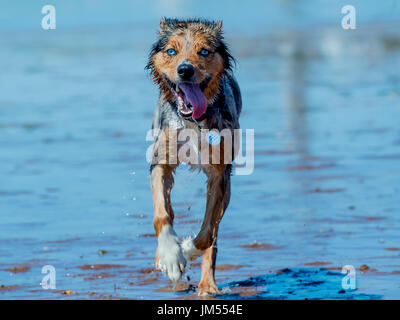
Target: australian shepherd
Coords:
[[192, 66]]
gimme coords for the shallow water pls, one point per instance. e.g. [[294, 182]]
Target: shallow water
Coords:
[[75, 107]]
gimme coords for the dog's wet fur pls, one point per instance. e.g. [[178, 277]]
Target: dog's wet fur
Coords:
[[192, 66]]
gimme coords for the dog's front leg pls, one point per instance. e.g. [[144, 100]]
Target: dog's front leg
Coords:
[[169, 257], [218, 196]]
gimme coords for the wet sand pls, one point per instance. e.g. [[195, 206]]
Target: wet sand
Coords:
[[325, 106]]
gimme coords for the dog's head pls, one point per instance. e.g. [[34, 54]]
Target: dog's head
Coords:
[[187, 62]]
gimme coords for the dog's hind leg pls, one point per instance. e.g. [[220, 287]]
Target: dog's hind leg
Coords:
[[169, 256], [218, 196]]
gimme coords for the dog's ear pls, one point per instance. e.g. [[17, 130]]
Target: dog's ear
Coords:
[[165, 24], [218, 26]]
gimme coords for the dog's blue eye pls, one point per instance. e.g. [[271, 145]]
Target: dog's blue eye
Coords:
[[204, 52], [171, 52]]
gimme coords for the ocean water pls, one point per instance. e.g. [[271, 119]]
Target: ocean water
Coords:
[[324, 103]]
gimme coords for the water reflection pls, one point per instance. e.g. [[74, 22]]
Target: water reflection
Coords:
[[295, 65]]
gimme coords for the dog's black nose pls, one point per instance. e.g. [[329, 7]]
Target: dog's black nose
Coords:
[[185, 71]]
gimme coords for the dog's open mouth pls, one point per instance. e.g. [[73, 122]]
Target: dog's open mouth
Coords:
[[191, 101]]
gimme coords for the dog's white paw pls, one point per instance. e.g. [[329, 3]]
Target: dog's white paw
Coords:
[[171, 260], [190, 252]]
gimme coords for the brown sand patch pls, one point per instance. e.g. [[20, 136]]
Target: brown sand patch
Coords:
[[65, 292], [190, 221], [244, 291], [365, 268], [334, 268], [260, 246], [225, 267], [249, 291], [77, 275], [392, 249], [317, 263], [147, 270], [147, 235], [181, 215], [18, 269], [68, 292], [195, 265], [371, 218], [318, 190], [148, 281], [9, 288]]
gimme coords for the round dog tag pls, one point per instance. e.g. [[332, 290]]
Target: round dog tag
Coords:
[[213, 138]]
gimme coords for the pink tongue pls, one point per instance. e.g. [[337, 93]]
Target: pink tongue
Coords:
[[195, 97]]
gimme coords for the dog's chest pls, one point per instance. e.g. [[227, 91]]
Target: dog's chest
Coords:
[[194, 144]]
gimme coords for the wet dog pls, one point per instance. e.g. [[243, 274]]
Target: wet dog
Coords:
[[192, 66]]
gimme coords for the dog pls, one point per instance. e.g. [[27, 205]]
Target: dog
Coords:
[[192, 67]]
